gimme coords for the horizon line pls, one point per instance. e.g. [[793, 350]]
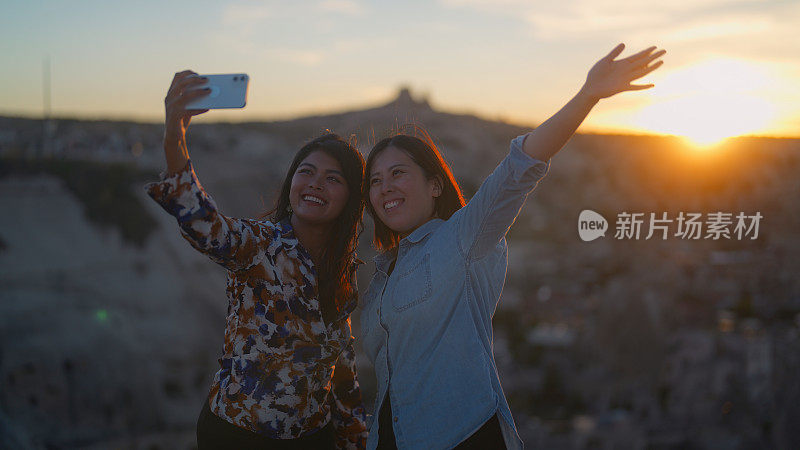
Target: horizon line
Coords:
[[146, 121]]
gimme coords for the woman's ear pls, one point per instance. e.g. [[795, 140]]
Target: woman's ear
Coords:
[[437, 186]]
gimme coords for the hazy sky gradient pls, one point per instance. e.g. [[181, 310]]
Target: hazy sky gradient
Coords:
[[516, 60]]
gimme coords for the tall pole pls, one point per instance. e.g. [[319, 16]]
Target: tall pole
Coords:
[[46, 86], [48, 127]]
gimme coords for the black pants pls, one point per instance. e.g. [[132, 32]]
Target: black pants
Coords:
[[488, 435], [215, 433]]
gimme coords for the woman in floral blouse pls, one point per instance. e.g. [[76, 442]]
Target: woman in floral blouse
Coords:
[[287, 375]]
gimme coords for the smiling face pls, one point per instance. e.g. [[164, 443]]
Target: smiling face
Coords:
[[401, 195], [318, 192]]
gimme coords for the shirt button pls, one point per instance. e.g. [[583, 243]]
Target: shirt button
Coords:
[[395, 419]]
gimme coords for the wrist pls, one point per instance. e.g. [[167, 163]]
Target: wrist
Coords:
[[173, 138], [175, 165], [171, 141], [585, 96]]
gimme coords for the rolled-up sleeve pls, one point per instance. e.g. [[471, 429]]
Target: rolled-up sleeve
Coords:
[[490, 213], [232, 243]]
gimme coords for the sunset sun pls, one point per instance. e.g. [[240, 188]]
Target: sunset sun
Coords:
[[710, 101]]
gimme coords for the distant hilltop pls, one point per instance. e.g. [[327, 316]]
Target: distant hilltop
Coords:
[[405, 100]]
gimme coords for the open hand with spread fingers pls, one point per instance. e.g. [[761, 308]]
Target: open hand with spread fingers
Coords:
[[609, 77]]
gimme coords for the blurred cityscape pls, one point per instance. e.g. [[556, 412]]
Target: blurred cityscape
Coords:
[[111, 324]]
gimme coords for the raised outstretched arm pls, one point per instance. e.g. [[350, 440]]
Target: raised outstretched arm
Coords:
[[486, 219], [606, 78], [230, 242]]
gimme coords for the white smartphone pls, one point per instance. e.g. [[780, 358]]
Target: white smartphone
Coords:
[[228, 90]]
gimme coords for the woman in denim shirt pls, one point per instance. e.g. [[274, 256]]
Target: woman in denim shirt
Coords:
[[427, 315]]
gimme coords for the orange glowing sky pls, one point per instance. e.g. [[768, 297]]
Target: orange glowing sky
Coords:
[[731, 68]]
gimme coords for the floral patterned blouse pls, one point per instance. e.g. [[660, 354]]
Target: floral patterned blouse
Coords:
[[284, 372]]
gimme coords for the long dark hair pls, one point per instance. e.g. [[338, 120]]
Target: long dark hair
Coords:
[[333, 272], [421, 149]]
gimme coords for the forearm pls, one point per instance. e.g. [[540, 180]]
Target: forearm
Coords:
[[549, 137], [230, 242], [175, 151], [177, 117], [348, 413]]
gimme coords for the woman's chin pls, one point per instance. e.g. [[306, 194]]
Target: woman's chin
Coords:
[[398, 227], [312, 218], [404, 225]]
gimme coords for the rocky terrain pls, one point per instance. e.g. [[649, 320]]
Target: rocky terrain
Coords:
[[111, 324]]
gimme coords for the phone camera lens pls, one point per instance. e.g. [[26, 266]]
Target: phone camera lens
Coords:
[[235, 78]]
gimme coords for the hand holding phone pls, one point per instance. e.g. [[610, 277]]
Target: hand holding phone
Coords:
[[189, 95], [227, 90]]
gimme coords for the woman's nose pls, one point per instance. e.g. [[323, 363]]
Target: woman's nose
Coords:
[[315, 183]]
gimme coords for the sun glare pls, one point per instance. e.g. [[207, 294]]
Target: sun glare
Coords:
[[710, 101]]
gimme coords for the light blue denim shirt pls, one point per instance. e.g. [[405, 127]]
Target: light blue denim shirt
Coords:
[[427, 328]]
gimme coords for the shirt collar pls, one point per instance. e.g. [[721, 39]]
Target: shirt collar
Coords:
[[285, 226], [422, 231], [288, 238], [383, 260]]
